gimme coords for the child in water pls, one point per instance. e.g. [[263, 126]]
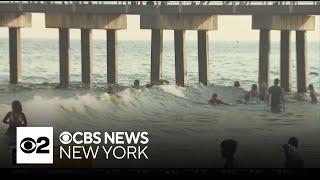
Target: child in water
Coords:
[[313, 96], [215, 101], [15, 118], [252, 96]]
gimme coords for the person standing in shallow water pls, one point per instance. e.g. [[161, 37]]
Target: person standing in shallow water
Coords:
[[228, 149], [312, 94], [15, 118], [277, 97], [263, 91]]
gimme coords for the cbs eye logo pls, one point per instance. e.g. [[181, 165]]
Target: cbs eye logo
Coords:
[[34, 145], [29, 145], [65, 137]]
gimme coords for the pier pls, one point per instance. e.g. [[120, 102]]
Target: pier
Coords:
[[157, 16]]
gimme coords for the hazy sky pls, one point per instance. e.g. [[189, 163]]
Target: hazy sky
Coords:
[[231, 28]]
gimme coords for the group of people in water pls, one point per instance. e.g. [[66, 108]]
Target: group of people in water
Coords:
[[16, 118], [274, 96], [228, 149]]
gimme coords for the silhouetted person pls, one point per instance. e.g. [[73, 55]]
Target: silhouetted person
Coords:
[[312, 94], [15, 118], [277, 97], [293, 158], [228, 149]]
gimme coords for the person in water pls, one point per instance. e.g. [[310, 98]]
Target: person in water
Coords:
[[215, 101], [277, 97], [263, 91], [253, 95], [136, 84], [293, 158], [312, 94], [15, 118], [236, 84], [228, 148], [160, 82]]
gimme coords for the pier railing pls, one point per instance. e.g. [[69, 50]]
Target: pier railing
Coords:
[[172, 3]]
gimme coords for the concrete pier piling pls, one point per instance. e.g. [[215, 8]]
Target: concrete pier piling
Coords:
[[284, 23], [112, 57], [301, 61], [64, 56], [285, 60], [15, 21], [180, 62], [158, 18], [179, 23], [156, 54], [86, 22], [264, 54], [15, 55], [203, 56], [86, 56]]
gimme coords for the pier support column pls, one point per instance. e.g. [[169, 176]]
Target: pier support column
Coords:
[[203, 56], [112, 61], [301, 61], [64, 51], [86, 56], [264, 53], [285, 60], [156, 54], [15, 55], [180, 64]]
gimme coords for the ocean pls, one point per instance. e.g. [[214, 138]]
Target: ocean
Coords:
[[185, 131]]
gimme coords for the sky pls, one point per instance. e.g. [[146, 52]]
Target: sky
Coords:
[[230, 28]]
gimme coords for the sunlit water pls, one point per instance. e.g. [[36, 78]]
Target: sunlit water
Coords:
[[185, 131]]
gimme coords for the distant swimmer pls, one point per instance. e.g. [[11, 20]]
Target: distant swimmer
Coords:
[[215, 101], [252, 97], [277, 97], [312, 94], [15, 118], [293, 158], [228, 149], [236, 84], [136, 84], [160, 82]]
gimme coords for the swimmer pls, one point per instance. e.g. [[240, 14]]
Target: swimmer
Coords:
[[228, 149], [160, 82], [236, 84], [312, 94], [263, 91], [215, 101], [15, 118], [136, 84], [253, 95]]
